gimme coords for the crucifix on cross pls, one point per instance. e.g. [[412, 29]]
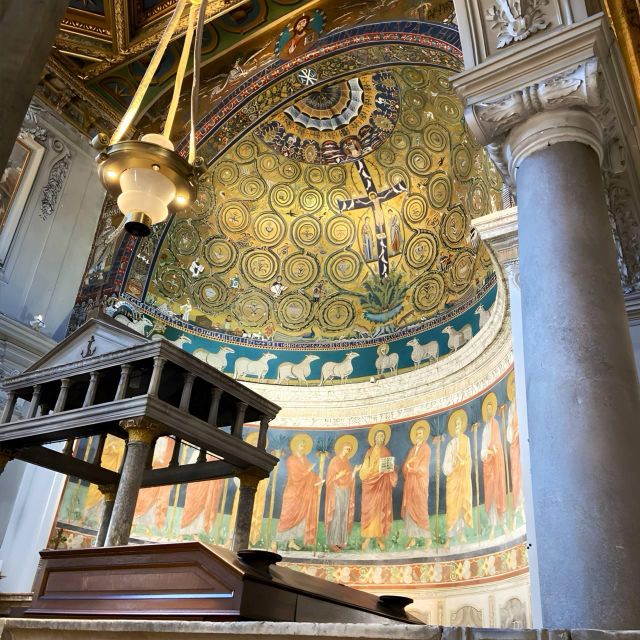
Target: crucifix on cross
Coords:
[[373, 200]]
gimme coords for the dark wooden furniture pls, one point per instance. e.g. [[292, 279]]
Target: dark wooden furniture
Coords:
[[193, 581]]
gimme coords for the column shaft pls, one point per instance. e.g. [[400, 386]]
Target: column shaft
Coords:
[[109, 494], [216, 394], [156, 375], [185, 398], [248, 486], [91, 389], [236, 430], [35, 401], [583, 399], [262, 433], [9, 407], [62, 396], [123, 383]]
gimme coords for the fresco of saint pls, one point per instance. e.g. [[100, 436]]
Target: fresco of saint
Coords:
[[379, 477], [493, 470], [340, 496], [513, 438], [457, 469], [299, 513], [153, 502], [415, 497]]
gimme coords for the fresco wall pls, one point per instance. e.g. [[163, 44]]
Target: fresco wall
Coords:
[[437, 498]]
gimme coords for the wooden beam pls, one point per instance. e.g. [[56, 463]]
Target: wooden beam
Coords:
[[189, 473], [67, 465]]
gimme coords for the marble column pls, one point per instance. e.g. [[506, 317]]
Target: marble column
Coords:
[[65, 383], [142, 432], [248, 486], [236, 430], [109, 494], [216, 394], [185, 398], [262, 433], [35, 401], [123, 383], [26, 37], [156, 375], [90, 396], [9, 407]]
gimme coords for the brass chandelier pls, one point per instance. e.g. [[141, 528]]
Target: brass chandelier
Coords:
[[146, 176]]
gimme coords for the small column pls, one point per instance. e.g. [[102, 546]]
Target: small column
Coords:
[[248, 486], [216, 394], [97, 458], [142, 432], [4, 459], [35, 401], [185, 398], [123, 384], [91, 389], [175, 456], [262, 433], [65, 383], [68, 447], [241, 408], [9, 407], [156, 375], [109, 494]]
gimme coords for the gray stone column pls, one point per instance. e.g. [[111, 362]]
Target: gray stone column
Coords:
[[248, 486], [35, 401], [123, 383], [109, 493], [141, 432], [582, 394], [185, 398], [156, 375], [90, 396], [26, 34], [262, 433], [65, 383], [9, 407], [216, 394], [236, 430]]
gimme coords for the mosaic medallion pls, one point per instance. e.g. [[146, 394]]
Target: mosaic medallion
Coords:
[[421, 250], [462, 270], [289, 170], [212, 294], [268, 162], [281, 197], [226, 173], [448, 109], [341, 230], [259, 266], [419, 161], [336, 175], [310, 200], [336, 314], [414, 77], [184, 238], [252, 187], [294, 310], [252, 309], [428, 292], [220, 254], [306, 231], [246, 151], [336, 196], [400, 140], [203, 204], [269, 228], [386, 156], [436, 137], [478, 200], [462, 162], [234, 217], [439, 190], [171, 282], [415, 210], [301, 269], [454, 227], [314, 175], [343, 267]]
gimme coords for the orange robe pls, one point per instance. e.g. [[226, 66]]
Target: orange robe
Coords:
[[202, 498], [345, 483], [157, 497], [415, 497], [513, 435], [299, 500], [377, 499], [459, 498], [493, 469]]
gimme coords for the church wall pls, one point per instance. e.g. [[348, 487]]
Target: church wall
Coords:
[[50, 222]]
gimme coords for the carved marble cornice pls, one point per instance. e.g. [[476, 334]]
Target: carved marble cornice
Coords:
[[500, 231]]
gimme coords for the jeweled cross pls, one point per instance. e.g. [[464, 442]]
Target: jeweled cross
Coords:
[[373, 200]]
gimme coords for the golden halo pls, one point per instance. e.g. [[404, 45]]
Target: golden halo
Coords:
[[491, 397], [511, 386], [304, 437], [461, 413], [424, 424], [384, 427], [343, 441]]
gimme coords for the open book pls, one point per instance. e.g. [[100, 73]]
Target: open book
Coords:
[[386, 464]]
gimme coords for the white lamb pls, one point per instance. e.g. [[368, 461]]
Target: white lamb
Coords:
[[484, 314], [384, 362], [258, 368], [216, 360], [420, 352], [340, 370], [458, 337], [299, 371], [180, 341], [140, 326]]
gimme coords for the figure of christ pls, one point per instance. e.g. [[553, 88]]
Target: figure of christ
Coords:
[[492, 456], [153, 502], [299, 512], [513, 438], [340, 502], [377, 487], [201, 504], [457, 469], [415, 497]]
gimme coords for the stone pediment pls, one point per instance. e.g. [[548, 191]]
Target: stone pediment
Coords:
[[96, 337]]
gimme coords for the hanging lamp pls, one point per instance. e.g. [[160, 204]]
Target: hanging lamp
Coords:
[[146, 176]]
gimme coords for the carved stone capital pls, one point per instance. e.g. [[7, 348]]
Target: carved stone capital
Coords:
[[500, 231], [141, 429]]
